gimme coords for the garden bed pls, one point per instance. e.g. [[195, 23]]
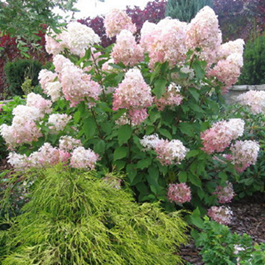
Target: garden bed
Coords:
[[248, 218]]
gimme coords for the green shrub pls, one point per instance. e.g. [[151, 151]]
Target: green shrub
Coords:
[[221, 246], [185, 10], [253, 71], [17, 71], [252, 180], [74, 218]]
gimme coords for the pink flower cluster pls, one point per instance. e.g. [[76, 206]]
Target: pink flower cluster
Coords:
[[225, 194], [222, 214], [126, 50], [50, 85], [171, 97], [57, 122], [220, 135], [179, 193], [170, 39], [244, 154], [68, 143], [255, 100], [48, 155], [37, 101], [80, 38], [77, 85], [168, 152], [116, 21], [164, 41], [24, 128], [227, 71], [203, 32], [77, 38], [83, 158], [45, 77], [70, 81], [229, 62], [133, 94]]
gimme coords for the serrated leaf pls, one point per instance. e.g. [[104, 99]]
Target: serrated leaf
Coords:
[[198, 68], [131, 172], [149, 129], [77, 116], [160, 87], [223, 176], [145, 163], [120, 153], [165, 133], [124, 134], [196, 108], [186, 128], [182, 176], [192, 153], [194, 93], [99, 147], [195, 180], [89, 127]]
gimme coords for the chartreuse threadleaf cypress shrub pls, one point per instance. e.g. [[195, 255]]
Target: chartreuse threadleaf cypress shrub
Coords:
[[17, 71], [253, 71], [75, 218], [185, 10]]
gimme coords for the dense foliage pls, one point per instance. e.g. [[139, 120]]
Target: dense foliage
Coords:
[[17, 71], [10, 52], [74, 218], [221, 246], [185, 10], [23, 19], [150, 116], [253, 72]]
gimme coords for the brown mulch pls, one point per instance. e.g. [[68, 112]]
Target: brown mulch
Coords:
[[248, 218]]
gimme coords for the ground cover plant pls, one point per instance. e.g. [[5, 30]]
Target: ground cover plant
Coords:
[[220, 246], [72, 217], [151, 110]]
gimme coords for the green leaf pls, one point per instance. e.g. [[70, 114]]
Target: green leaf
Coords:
[[194, 92], [120, 153], [223, 176], [99, 147], [155, 72], [120, 164], [145, 163], [186, 128], [154, 116], [195, 218], [149, 129], [77, 116], [153, 172], [165, 133], [195, 180], [124, 134], [160, 87], [192, 153], [182, 176], [89, 127], [198, 68], [131, 171], [196, 108]]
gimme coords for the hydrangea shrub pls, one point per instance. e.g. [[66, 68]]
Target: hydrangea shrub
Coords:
[[151, 110]]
